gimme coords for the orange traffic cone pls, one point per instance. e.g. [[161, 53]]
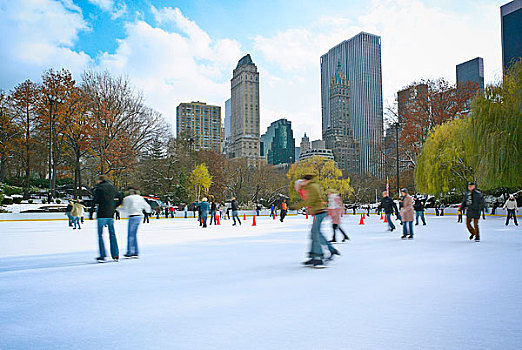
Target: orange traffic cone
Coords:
[[381, 215], [244, 216], [254, 221], [385, 219], [364, 215], [273, 215], [307, 215], [217, 220], [362, 220]]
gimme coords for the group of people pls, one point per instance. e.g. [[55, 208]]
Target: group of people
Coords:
[[74, 212], [204, 209]]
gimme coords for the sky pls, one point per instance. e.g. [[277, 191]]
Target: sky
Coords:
[[183, 51]]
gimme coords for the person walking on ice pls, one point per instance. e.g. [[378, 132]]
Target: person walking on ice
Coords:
[[77, 213], [388, 205], [511, 206], [473, 202], [335, 212], [104, 196], [234, 206], [407, 214], [312, 197], [134, 206]]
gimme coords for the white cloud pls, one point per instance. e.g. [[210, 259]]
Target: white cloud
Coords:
[[173, 66], [37, 35], [418, 41], [106, 5]]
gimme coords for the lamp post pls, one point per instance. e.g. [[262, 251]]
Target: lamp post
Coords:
[[53, 100], [397, 156]]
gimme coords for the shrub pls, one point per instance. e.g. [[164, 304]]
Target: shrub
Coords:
[[30, 201], [58, 201], [44, 201], [7, 201], [17, 200]]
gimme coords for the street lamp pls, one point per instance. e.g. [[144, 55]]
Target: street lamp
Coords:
[[53, 100]]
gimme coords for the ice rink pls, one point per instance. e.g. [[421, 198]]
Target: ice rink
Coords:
[[244, 287]]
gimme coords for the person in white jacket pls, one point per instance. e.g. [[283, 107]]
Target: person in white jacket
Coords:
[[511, 206], [134, 205]]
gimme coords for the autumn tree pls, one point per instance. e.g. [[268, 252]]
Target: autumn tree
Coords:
[[200, 180], [328, 176], [9, 134]]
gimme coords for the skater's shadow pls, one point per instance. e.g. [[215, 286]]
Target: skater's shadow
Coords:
[[31, 264]]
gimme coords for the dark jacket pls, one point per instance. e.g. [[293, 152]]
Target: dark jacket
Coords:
[[234, 205], [69, 208], [473, 202], [213, 206], [107, 198], [204, 207], [418, 205], [388, 205]]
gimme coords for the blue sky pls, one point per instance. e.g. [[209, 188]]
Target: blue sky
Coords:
[[179, 51]]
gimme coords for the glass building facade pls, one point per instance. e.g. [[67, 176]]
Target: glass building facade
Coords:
[[278, 143], [360, 59], [511, 24]]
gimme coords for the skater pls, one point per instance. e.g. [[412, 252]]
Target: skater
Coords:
[[204, 207], [77, 213], [335, 212], [166, 211], [494, 208], [312, 198], [473, 202], [258, 209], [368, 210], [234, 207], [388, 205], [117, 215], [354, 208], [229, 208], [459, 213], [272, 210], [158, 212], [134, 206], [213, 212], [185, 210], [442, 206], [406, 214], [284, 210], [419, 210], [68, 213], [146, 215], [511, 206], [437, 205], [104, 196]]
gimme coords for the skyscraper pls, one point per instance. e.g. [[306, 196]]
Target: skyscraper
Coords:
[[279, 143], [201, 123], [338, 135], [227, 128], [360, 58], [244, 126], [471, 71], [511, 24]]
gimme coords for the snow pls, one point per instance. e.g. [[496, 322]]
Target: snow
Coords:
[[243, 287]]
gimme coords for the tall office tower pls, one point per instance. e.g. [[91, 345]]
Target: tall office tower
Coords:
[[338, 135], [279, 143], [471, 71], [201, 123], [305, 143], [227, 128], [245, 140], [360, 58], [511, 24]]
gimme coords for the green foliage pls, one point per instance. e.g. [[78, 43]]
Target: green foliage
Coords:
[[17, 200], [58, 201], [7, 201], [44, 201], [495, 136], [328, 176], [200, 181], [10, 190], [443, 165]]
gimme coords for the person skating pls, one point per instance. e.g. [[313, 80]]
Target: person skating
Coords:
[[234, 206], [213, 212], [185, 210], [473, 202], [77, 213], [419, 210], [134, 206], [312, 197], [284, 210], [389, 207], [258, 209], [511, 206], [406, 214], [459, 213], [107, 198], [204, 206], [442, 207], [335, 212], [68, 210]]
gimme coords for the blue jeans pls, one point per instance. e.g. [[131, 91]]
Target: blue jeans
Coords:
[[76, 221], [420, 214], [132, 240], [70, 217], [390, 222], [318, 240], [204, 219], [235, 216], [407, 228], [212, 217], [109, 222], [185, 215]]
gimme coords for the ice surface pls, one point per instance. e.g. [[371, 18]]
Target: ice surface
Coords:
[[243, 288]]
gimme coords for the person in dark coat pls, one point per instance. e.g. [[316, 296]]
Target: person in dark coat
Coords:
[[419, 210], [205, 208], [389, 207], [213, 212], [234, 206], [284, 210], [473, 203], [107, 198], [68, 211]]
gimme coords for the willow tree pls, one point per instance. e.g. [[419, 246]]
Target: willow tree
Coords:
[[495, 137], [328, 176], [444, 165]]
